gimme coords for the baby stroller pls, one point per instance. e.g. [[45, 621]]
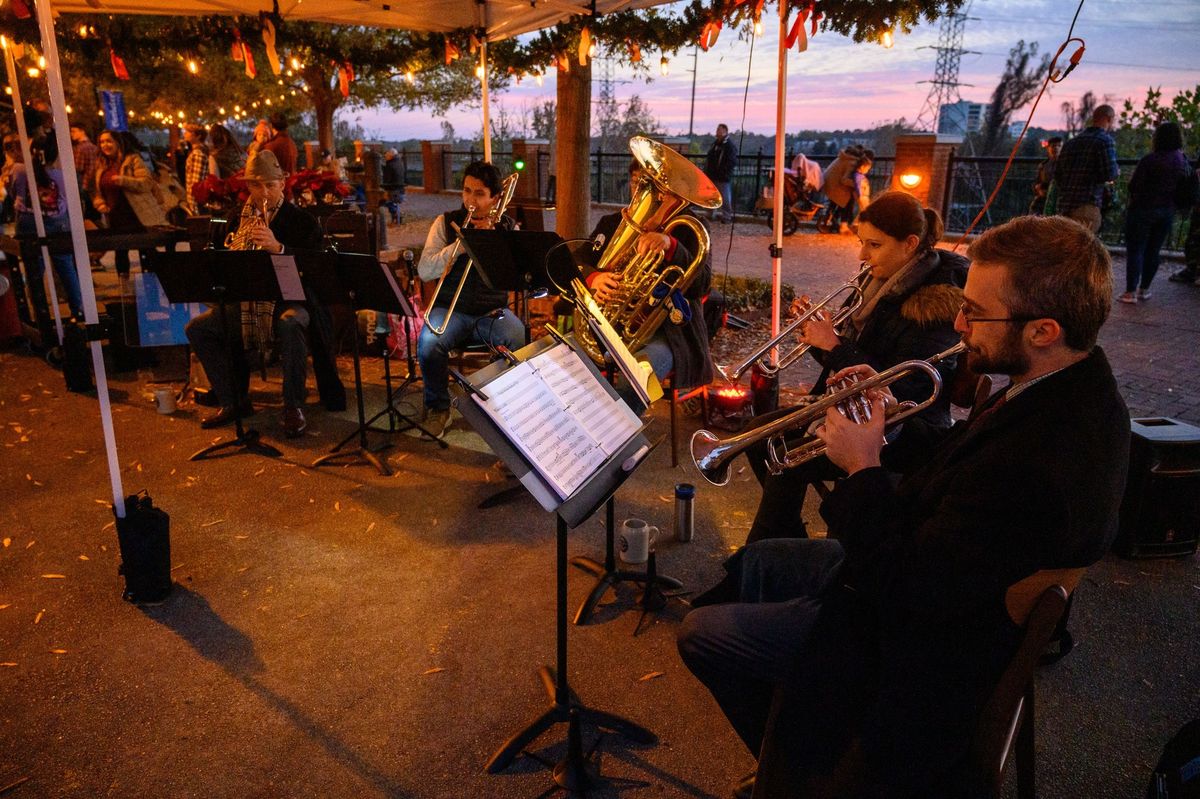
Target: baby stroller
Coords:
[[798, 205]]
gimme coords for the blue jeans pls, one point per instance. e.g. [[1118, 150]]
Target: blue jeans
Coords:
[[741, 649], [726, 189], [433, 351], [64, 265], [1146, 229], [656, 353]]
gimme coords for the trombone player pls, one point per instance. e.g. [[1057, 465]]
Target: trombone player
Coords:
[[480, 314], [889, 635]]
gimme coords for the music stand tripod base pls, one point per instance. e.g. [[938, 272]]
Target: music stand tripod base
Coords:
[[248, 440]]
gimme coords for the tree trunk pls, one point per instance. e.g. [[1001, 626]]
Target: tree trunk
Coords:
[[325, 102], [574, 127]]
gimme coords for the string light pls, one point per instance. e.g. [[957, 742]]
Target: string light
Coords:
[[539, 79], [479, 71], [758, 27], [83, 31], [41, 62], [410, 77], [33, 72], [887, 39], [295, 63], [592, 49], [193, 67], [665, 66], [8, 90]]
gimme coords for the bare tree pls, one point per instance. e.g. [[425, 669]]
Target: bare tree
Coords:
[[1019, 84], [1077, 116]]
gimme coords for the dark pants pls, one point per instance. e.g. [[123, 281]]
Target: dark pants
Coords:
[[1146, 230], [230, 377], [742, 649]]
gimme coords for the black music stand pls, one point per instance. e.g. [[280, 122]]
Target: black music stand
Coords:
[[573, 772], [219, 277], [365, 284]]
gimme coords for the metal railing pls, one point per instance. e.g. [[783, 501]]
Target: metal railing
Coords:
[[972, 179]]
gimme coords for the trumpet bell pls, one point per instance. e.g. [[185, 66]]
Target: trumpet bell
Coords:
[[706, 451]]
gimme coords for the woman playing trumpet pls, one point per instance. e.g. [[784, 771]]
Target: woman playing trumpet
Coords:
[[911, 295]]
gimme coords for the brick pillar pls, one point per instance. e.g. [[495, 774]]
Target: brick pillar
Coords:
[[432, 166], [926, 155]]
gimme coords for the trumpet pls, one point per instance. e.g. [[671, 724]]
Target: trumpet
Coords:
[[506, 193], [713, 456], [852, 303]]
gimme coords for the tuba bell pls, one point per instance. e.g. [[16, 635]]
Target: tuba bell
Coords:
[[669, 184]]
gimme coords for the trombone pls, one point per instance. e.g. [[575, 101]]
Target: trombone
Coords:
[[506, 193], [713, 456], [853, 301]]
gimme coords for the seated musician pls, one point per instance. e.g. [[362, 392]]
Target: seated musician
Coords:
[[286, 228], [481, 314], [910, 299], [680, 346], [891, 633]]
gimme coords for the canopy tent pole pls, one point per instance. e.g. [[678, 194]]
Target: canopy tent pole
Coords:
[[35, 199], [58, 105], [777, 200], [487, 126]]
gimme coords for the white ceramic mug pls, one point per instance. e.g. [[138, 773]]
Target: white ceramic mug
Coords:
[[165, 398], [635, 539]]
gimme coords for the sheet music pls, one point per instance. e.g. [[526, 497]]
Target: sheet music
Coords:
[[288, 277], [391, 279], [559, 416], [622, 357]]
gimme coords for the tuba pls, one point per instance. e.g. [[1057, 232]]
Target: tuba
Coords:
[[670, 183]]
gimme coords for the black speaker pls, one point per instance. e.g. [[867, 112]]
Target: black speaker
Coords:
[[1160, 515]]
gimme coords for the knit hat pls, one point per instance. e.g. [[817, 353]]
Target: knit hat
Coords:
[[263, 165]]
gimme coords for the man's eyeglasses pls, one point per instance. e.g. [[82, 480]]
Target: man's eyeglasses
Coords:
[[970, 320]]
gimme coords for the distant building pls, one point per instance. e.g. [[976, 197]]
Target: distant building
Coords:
[[957, 119], [1015, 128]]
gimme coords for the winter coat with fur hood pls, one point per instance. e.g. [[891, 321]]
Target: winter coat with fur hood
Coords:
[[913, 320]]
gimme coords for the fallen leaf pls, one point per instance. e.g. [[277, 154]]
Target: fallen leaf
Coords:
[[210, 524], [172, 472], [662, 498], [84, 557], [241, 537], [8, 663], [55, 576], [31, 543], [38, 617], [177, 567], [38, 483], [1122, 582], [652, 675], [28, 476], [105, 527], [260, 471], [243, 569], [6, 605], [7, 541], [432, 671], [100, 501], [81, 452], [139, 467], [370, 527], [58, 651], [337, 506]]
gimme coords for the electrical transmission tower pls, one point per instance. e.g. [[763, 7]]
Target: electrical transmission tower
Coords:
[[943, 89]]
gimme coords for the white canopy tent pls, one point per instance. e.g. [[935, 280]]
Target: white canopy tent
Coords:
[[497, 18]]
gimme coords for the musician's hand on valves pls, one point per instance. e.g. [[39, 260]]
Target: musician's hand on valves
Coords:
[[819, 332], [650, 242], [862, 371], [603, 285], [265, 239], [851, 446]]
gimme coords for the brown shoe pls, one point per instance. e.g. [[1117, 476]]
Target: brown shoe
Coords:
[[293, 422], [225, 415]]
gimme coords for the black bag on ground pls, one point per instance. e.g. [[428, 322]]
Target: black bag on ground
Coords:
[[1177, 775], [145, 538]]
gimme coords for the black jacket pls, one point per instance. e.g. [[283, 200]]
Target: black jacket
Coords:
[[913, 321], [721, 159], [909, 647], [688, 341]]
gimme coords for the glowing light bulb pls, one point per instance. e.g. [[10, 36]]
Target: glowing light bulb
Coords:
[[539, 79], [237, 108], [41, 62], [410, 77], [33, 72], [758, 27], [8, 90], [479, 71], [83, 31], [887, 39], [193, 67], [664, 66], [69, 111], [592, 50], [295, 63], [910, 180], [220, 110], [267, 101]]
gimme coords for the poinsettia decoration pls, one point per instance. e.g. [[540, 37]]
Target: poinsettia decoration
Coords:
[[314, 186]]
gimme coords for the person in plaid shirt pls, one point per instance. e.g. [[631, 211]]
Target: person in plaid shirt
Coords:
[[196, 167], [1086, 165]]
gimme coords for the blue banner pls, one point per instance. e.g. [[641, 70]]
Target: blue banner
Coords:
[[113, 105]]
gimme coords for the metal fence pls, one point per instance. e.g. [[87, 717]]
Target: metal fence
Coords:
[[974, 178]]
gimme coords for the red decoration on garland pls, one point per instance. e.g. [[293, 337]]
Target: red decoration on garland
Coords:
[[118, 65], [21, 10], [635, 51], [241, 53], [452, 52], [345, 75], [708, 36]]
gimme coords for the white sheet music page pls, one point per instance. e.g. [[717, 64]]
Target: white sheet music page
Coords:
[[288, 277], [559, 417]]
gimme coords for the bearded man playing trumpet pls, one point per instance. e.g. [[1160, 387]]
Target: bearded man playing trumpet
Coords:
[[269, 222], [910, 294], [890, 635]]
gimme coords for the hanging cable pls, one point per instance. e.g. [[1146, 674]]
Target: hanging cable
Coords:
[[1053, 75]]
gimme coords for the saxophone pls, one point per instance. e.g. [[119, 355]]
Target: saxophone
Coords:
[[670, 183]]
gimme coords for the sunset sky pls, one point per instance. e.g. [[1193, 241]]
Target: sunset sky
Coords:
[[840, 84]]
